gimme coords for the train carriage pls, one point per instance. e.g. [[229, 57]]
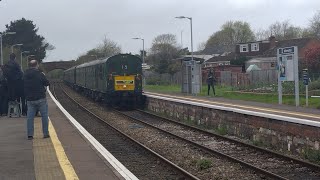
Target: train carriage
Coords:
[[116, 80]]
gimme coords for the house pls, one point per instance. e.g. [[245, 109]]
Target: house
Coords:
[[201, 58], [218, 60], [302, 43], [264, 53], [254, 49]]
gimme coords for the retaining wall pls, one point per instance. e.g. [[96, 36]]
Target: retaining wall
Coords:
[[277, 134]]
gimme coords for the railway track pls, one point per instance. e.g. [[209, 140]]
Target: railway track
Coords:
[[185, 155], [140, 160], [270, 163], [273, 165]]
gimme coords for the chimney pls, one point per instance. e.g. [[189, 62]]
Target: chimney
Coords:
[[272, 41]]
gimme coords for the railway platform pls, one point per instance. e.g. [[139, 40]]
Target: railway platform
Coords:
[[310, 114], [67, 154]]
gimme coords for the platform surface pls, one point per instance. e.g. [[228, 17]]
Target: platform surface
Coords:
[[65, 155]]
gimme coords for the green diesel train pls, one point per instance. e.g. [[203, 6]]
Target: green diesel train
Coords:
[[116, 80]]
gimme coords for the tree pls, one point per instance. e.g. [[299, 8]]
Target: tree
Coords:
[[201, 46], [312, 58], [26, 34], [163, 50], [106, 49], [315, 25], [282, 31], [231, 33]]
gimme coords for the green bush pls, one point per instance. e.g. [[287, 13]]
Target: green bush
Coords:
[[156, 81], [312, 155], [315, 85], [204, 164]]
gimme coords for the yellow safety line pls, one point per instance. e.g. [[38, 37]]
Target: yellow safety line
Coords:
[[64, 162], [245, 106]]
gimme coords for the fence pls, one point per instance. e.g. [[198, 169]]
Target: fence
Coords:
[[244, 80], [153, 78], [257, 78]]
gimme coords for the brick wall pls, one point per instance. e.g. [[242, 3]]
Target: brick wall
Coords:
[[277, 134]]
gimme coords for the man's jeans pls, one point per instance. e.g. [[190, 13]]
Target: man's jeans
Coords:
[[34, 106]]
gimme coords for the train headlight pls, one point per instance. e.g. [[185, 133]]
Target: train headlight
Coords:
[[124, 86]]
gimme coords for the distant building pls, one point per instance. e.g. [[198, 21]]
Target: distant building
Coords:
[[264, 53], [255, 49], [263, 63]]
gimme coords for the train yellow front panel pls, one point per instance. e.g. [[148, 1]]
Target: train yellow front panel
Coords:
[[124, 83]]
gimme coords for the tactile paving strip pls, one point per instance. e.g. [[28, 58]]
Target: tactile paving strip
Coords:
[[46, 163]]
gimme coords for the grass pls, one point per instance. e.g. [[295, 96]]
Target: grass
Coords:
[[226, 92], [222, 130], [203, 164], [312, 155]]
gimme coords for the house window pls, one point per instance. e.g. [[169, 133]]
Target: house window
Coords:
[[244, 48], [255, 47]]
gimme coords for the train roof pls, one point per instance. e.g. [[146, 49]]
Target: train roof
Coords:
[[99, 61]]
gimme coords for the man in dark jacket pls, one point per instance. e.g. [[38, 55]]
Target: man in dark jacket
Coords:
[[3, 92], [210, 82], [14, 77], [35, 83]]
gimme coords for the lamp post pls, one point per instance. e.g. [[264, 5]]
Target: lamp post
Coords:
[[192, 61], [23, 52], [142, 48], [190, 18], [144, 78], [9, 33], [94, 56], [15, 45]]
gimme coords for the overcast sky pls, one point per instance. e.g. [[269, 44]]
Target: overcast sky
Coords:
[[76, 26]]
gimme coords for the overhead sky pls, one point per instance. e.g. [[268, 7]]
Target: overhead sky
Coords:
[[76, 26]]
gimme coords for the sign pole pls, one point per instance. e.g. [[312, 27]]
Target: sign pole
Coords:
[[306, 83], [279, 89], [307, 100], [296, 75]]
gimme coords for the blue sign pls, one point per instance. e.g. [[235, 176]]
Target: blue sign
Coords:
[[305, 76]]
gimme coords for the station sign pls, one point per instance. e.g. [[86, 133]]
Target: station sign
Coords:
[[145, 66], [287, 59]]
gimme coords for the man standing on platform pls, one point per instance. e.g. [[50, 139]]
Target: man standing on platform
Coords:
[[14, 77], [3, 92], [210, 82], [35, 83]]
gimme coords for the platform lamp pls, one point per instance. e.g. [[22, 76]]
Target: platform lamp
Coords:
[[1, 34], [190, 18], [192, 61], [15, 45], [144, 78], [23, 52]]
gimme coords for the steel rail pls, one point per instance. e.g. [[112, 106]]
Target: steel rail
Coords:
[[183, 171], [298, 161], [265, 172]]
